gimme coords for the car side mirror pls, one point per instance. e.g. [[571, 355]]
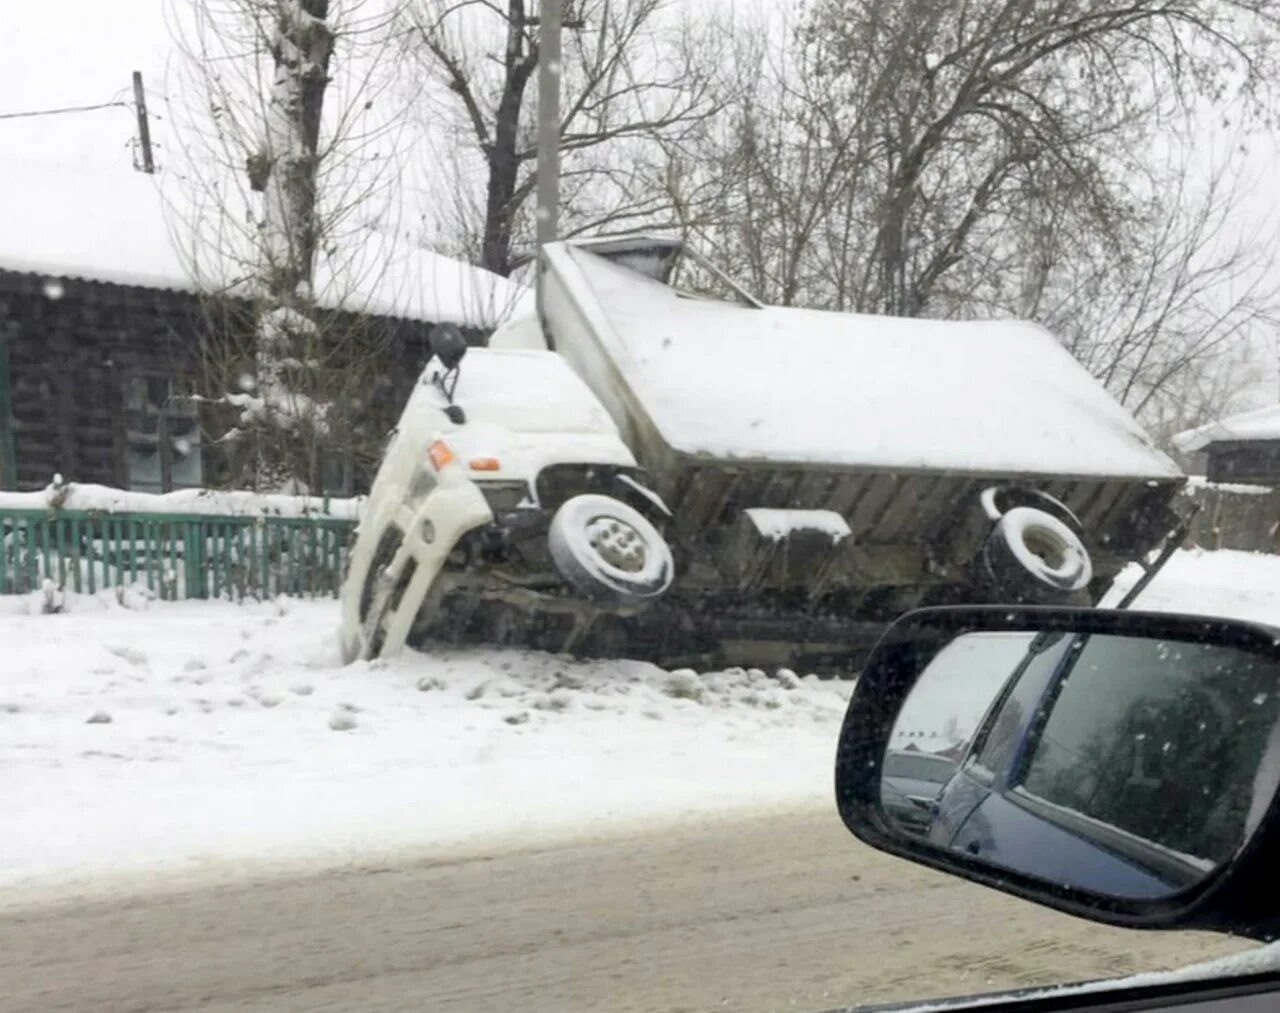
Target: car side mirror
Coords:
[[1121, 766]]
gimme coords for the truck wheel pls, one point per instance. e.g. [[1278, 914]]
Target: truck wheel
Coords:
[[608, 551], [1033, 556]]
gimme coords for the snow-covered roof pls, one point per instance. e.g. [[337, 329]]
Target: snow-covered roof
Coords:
[[125, 228], [777, 384], [1262, 424]]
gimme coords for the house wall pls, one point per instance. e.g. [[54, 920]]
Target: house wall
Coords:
[[73, 347], [1256, 462]]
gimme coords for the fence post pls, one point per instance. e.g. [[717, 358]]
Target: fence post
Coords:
[[193, 559]]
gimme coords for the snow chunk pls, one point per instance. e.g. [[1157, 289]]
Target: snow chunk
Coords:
[[684, 684], [619, 754], [130, 654], [777, 525], [342, 720]]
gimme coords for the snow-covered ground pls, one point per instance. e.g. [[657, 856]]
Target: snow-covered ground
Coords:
[[188, 736], [175, 735], [1240, 585]]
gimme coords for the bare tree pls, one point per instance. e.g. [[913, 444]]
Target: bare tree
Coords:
[[636, 82], [944, 158], [286, 199], [1168, 327]]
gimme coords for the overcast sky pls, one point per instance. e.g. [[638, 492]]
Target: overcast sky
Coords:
[[78, 52]]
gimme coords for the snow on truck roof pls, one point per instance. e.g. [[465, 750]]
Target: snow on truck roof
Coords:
[[126, 228], [779, 384], [526, 392]]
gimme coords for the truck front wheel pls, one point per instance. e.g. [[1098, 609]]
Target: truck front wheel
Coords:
[[607, 551]]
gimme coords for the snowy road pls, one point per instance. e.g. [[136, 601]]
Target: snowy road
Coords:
[[501, 829], [785, 911]]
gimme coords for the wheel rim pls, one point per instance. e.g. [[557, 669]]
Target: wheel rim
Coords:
[[1030, 545], [617, 543], [1046, 546]]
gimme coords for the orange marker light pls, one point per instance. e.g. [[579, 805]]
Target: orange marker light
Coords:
[[484, 464], [440, 454]]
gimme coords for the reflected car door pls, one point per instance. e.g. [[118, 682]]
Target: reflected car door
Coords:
[[999, 742], [983, 813]]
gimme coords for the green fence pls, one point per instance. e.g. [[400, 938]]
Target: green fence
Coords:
[[173, 555]]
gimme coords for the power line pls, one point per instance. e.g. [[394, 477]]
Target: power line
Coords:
[[64, 109]]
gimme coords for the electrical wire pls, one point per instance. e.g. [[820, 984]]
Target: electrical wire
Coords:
[[64, 109]]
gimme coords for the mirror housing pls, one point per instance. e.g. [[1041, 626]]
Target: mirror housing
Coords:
[[1240, 894], [447, 344]]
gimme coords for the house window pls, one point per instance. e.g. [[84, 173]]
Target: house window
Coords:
[[162, 436]]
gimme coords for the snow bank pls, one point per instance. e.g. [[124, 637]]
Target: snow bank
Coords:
[[104, 499], [1239, 585], [1198, 483], [181, 736]]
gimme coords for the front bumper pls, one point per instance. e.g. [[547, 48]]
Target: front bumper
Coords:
[[378, 623]]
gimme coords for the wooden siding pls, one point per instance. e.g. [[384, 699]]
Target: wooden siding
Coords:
[[72, 347], [1256, 462]]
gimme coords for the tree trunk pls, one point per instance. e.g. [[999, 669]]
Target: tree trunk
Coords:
[[286, 171], [519, 62]]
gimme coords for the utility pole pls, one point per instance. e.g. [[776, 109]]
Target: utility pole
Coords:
[[144, 128], [549, 24]]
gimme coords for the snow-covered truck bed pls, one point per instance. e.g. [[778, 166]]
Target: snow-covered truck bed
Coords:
[[816, 473], [693, 379]]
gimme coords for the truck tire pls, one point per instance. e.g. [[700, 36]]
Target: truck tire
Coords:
[[1032, 556], [607, 551]]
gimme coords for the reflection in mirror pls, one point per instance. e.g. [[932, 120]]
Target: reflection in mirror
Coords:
[[1127, 766]]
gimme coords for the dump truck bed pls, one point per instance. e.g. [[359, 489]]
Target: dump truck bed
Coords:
[[895, 425], [707, 381]]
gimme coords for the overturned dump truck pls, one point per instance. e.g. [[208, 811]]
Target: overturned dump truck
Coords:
[[652, 472]]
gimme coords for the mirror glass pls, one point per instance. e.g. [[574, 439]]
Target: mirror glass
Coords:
[[1122, 765]]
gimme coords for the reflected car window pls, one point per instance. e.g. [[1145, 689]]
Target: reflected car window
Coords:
[[1003, 732], [1173, 738]]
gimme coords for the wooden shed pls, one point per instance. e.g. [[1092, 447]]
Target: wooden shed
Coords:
[[102, 328], [94, 379], [1243, 449]]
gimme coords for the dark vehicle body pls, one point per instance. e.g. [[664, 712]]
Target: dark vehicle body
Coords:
[[913, 780]]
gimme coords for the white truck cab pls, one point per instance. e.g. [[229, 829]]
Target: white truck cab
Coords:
[[525, 413]]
